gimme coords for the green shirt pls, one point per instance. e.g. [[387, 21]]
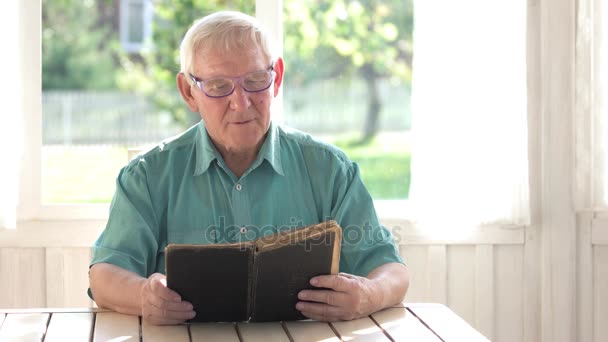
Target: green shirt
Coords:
[[182, 192]]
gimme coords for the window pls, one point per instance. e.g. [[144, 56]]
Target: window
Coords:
[[270, 12], [135, 24]]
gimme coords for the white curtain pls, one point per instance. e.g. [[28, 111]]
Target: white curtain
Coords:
[[469, 125], [11, 116]]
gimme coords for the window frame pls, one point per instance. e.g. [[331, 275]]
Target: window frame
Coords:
[[588, 185], [124, 27]]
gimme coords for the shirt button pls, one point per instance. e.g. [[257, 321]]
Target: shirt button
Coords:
[[243, 230], [238, 187]]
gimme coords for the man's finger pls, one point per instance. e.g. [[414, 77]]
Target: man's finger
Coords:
[[320, 310], [324, 296], [348, 275], [163, 291], [332, 281], [164, 321], [166, 310], [175, 306], [152, 299]]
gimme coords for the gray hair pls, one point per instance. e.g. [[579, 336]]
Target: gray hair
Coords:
[[223, 32]]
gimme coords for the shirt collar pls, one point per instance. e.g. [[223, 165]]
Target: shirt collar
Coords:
[[207, 153]]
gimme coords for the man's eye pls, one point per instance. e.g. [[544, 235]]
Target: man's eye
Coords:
[[218, 85]]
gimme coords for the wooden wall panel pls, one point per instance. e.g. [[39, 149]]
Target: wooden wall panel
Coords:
[[23, 274], [484, 284], [600, 291], [484, 290], [416, 257], [437, 274], [508, 300], [461, 281], [584, 279], [67, 277]]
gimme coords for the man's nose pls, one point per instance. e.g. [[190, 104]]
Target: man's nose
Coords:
[[239, 99]]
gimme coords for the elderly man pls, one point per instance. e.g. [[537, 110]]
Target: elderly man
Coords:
[[229, 175]]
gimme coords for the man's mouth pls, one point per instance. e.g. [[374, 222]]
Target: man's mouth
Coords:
[[242, 122]]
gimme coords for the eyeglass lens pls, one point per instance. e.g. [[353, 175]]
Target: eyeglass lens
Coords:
[[255, 81]]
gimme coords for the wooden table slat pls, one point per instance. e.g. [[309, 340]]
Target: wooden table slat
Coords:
[[53, 310], [24, 327], [311, 331], [448, 325], [112, 325], [214, 332], [401, 325], [70, 327], [157, 333], [262, 332], [362, 329]]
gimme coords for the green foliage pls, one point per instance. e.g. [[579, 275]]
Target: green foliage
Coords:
[[157, 78], [323, 39], [370, 39], [330, 37], [78, 46]]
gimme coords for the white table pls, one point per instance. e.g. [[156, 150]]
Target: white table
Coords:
[[409, 322]]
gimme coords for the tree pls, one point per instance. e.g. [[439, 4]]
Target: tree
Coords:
[[79, 49], [369, 37]]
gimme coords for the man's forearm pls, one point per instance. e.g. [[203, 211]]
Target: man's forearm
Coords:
[[392, 281], [116, 288]]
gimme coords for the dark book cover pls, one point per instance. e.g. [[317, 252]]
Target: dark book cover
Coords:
[[257, 280]]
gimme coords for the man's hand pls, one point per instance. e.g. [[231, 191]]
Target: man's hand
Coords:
[[346, 297], [161, 305]]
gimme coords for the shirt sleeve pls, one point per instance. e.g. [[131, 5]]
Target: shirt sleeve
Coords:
[[130, 239], [366, 244]]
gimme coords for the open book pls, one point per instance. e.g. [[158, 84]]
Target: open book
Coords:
[[257, 280]]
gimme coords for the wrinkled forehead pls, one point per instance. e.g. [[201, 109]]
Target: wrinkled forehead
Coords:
[[235, 40], [219, 62], [227, 48]]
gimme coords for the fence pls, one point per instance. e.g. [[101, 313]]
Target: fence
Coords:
[[330, 106], [126, 119], [116, 118]]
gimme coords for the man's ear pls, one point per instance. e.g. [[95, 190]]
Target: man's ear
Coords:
[[185, 89], [279, 68]]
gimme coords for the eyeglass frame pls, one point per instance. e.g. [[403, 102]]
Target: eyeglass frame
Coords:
[[235, 80]]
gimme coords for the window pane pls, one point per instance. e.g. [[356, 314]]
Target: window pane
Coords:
[[347, 81], [99, 100], [136, 21]]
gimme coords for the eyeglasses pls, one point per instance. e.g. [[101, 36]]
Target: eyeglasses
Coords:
[[223, 86]]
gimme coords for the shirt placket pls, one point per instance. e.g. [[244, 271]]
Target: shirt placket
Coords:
[[242, 214]]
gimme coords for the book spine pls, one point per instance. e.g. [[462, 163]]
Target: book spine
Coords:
[[252, 280]]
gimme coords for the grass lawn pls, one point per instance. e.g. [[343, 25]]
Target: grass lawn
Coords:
[[88, 174], [384, 163], [84, 174]]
